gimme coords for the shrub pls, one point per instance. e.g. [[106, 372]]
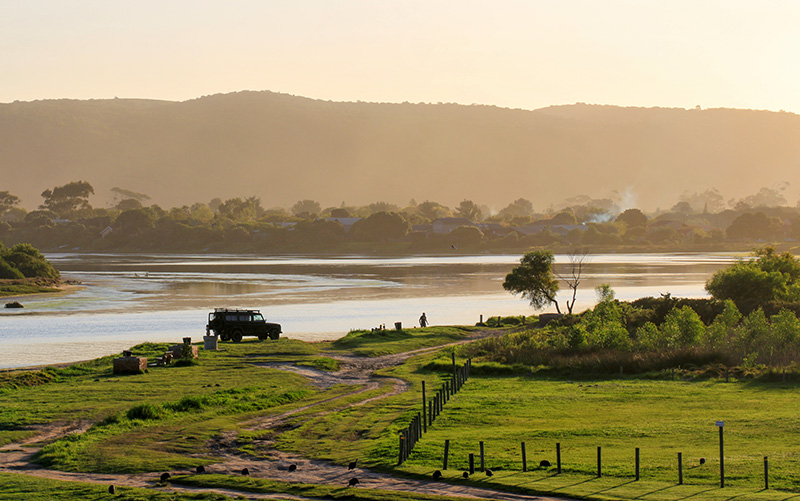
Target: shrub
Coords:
[[145, 412]]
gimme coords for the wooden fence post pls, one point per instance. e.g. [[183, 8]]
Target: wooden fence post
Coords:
[[680, 468], [766, 473], [471, 463], [424, 414], [599, 462], [637, 463], [446, 452], [483, 462], [558, 457], [402, 448], [524, 459], [454, 362]]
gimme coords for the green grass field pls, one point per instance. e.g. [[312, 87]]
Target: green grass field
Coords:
[[163, 419], [661, 418]]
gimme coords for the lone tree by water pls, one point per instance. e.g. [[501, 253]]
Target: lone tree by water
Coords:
[[534, 279]]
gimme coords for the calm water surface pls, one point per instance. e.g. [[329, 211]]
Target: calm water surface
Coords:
[[129, 299]]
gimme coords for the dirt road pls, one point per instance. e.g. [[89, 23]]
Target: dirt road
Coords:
[[354, 371]]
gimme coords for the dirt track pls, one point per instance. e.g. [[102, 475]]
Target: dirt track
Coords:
[[355, 371]]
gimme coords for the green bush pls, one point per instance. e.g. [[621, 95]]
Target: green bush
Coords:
[[146, 412]]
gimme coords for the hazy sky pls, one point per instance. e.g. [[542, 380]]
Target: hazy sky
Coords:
[[521, 54]]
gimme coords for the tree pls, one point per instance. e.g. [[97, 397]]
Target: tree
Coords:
[[134, 221], [7, 201], [633, 218], [68, 200], [518, 208], [767, 197], [306, 208], [382, 207], [469, 210], [709, 201], [432, 210], [128, 204], [577, 259], [756, 226], [340, 212], [755, 282], [566, 217], [381, 227], [242, 210], [28, 261], [466, 236], [682, 207], [534, 279]]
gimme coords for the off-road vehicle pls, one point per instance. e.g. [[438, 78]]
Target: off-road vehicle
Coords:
[[232, 324]]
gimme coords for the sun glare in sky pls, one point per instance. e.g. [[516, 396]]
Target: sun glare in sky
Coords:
[[521, 54]]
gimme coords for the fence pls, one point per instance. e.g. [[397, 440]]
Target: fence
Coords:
[[599, 470], [432, 408]]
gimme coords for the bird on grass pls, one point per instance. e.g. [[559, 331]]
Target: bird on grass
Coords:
[[353, 482], [437, 475], [544, 464], [112, 489], [165, 477], [245, 472], [292, 467], [200, 469], [465, 474], [489, 472], [352, 465], [702, 461]]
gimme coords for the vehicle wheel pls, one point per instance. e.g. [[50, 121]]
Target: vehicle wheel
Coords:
[[275, 335], [236, 336], [263, 337], [224, 336]]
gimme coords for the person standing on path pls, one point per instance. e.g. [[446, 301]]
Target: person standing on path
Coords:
[[423, 320]]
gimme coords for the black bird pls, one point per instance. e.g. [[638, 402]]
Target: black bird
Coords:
[[352, 465], [437, 475], [200, 469], [702, 460], [292, 467], [165, 477], [112, 489], [465, 474], [489, 472], [353, 482], [245, 472], [544, 464]]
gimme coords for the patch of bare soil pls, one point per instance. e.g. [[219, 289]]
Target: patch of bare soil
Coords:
[[355, 371]]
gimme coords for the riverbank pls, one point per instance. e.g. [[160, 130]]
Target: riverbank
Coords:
[[27, 287]]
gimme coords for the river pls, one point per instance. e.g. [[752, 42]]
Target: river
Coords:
[[126, 299]]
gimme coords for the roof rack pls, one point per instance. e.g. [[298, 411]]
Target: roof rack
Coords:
[[236, 310]]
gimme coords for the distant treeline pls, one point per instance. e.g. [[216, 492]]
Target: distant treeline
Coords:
[[66, 220]]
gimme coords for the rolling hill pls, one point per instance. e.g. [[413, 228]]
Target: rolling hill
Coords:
[[283, 148]]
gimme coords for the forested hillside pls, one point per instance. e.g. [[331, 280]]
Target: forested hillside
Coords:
[[281, 148]]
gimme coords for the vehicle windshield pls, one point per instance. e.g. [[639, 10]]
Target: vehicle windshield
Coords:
[[258, 318]]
